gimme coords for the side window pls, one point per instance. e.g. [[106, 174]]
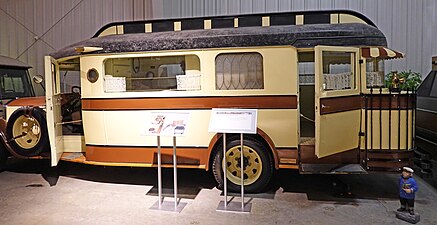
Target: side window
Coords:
[[152, 73], [306, 68], [14, 83], [239, 71], [375, 73], [338, 71]]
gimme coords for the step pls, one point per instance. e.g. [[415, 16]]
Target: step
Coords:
[[307, 141], [309, 168]]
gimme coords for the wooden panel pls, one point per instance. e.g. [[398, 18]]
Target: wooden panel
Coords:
[[307, 155], [347, 103], [123, 154], [260, 102], [287, 156], [385, 154], [388, 164], [339, 104], [389, 101]]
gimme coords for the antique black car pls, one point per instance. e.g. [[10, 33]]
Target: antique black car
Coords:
[[426, 124]]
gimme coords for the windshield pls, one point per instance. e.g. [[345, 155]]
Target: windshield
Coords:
[[14, 83]]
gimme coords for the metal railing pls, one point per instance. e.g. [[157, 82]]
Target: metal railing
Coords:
[[398, 105]]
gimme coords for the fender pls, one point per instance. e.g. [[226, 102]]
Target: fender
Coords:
[[28, 101], [259, 132]]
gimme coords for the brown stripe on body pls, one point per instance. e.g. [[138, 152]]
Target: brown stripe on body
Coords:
[[258, 102], [126, 154]]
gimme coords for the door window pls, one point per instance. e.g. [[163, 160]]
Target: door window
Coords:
[[338, 71]]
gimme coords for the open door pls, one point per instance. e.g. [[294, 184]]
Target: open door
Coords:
[[53, 108], [337, 100]]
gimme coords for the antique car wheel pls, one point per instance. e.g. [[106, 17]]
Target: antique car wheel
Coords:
[[28, 133], [258, 165]]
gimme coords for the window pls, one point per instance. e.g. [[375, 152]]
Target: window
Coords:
[[152, 73], [306, 68], [69, 76], [239, 71], [375, 73], [338, 71], [14, 83]]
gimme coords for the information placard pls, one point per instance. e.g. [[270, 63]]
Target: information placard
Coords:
[[233, 121], [167, 124]]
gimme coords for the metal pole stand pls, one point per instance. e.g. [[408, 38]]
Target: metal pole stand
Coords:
[[230, 206], [174, 206]]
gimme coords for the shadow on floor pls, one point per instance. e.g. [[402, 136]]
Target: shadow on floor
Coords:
[[338, 188]]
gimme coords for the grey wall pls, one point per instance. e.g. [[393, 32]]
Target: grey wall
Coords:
[[30, 29]]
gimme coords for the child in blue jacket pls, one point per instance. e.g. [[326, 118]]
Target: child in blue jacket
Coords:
[[407, 190]]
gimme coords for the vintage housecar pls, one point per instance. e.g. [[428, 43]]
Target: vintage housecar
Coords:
[[316, 78]]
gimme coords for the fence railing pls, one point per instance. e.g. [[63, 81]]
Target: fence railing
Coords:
[[389, 119]]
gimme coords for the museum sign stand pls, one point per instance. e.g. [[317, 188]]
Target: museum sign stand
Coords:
[[173, 125], [236, 121]]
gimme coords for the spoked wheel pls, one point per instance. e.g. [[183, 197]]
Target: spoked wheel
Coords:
[[28, 132], [257, 170]]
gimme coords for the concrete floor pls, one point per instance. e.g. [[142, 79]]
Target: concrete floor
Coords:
[[33, 193]]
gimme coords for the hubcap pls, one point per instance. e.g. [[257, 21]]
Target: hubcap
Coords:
[[28, 131], [252, 165]]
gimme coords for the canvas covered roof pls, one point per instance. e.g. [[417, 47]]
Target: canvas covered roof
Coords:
[[301, 36]]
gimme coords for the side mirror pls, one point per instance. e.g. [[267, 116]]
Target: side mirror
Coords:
[[38, 79]]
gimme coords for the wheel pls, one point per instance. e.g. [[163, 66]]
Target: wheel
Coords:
[[28, 131], [258, 165], [4, 154]]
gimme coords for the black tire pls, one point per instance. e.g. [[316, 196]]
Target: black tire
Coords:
[[259, 181], [35, 141], [4, 154]]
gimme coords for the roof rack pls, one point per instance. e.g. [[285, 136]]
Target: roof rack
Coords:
[[235, 21]]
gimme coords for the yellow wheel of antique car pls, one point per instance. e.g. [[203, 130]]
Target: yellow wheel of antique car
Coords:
[[252, 165], [257, 169], [27, 131]]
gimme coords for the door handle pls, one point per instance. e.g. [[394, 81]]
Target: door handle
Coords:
[[325, 107]]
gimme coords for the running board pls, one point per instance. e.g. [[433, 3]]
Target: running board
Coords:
[[308, 168]]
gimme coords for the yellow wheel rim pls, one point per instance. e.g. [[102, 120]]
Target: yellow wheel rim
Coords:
[[28, 131], [252, 165]]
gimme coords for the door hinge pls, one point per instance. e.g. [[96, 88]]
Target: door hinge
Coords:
[[361, 134], [361, 61]]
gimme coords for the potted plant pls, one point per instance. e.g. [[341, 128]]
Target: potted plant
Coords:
[[402, 81]]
